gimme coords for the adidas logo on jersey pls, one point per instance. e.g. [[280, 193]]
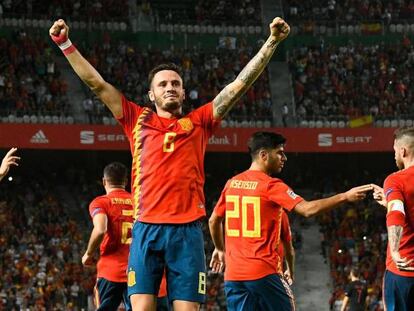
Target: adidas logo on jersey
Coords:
[[39, 138]]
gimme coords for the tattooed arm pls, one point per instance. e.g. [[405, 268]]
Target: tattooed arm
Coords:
[[226, 99], [394, 238]]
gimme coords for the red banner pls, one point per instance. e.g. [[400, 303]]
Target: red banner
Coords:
[[101, 137]]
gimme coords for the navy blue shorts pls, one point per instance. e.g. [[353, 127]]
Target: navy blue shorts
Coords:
[[271, 293], [398, 292], [108, 295], [177, 248]]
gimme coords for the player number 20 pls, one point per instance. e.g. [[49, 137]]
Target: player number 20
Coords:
[[245, 202]]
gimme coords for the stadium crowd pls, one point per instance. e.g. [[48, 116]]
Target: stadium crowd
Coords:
[[78, 10], [348, 10], [40, 249], [353, 80], [30, 82]]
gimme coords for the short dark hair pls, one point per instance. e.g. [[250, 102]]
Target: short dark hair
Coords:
[[165, 66], [355, 271], [264, 140], [116, 173], [404, 131]]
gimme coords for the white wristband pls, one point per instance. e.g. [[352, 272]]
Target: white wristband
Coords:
[[65, 45]]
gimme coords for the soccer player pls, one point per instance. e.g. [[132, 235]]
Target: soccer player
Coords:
[[250, 210], [355, 292], [167, 170], [398, 197], [8, 160], [112, 216]]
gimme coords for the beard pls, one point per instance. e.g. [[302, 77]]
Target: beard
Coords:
[[399, 164], [169, 105]]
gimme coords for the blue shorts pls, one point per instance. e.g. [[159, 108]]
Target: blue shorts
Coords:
[[177, 248], [398, 292], [271, 293], [108, 295]]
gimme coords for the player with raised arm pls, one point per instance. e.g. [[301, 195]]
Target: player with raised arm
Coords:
[[112, 216], [168, 170], [398, 197], [245, 226]]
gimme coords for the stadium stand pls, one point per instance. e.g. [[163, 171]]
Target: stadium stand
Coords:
[[30, 82], [351, 81]]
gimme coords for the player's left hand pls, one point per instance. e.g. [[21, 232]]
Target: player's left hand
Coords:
[[279, 29], [402, 263], [217, 262], [87, 260]]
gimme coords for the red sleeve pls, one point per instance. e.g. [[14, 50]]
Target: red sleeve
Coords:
[[285, 233], [220, 208], [98, 206], [204, 115], [130, 113], [281, 194], [393, 190]]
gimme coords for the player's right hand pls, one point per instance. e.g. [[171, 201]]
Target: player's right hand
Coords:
[[87, 260], [358, 193], [217, 262], [379, 195], [59, 32], [279, 29]]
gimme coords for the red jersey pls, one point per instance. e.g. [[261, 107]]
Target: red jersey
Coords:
[[114, 250], [285, 235], [400, 186], [252, 203], [167, 162]]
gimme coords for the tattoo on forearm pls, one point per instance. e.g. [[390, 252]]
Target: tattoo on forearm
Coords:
[[225, 100], [394, 237], [272, 44], [253, 69]]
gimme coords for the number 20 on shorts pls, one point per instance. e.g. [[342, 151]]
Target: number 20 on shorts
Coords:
[[245, 202]]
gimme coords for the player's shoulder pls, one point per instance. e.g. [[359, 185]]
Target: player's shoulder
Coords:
[[396, 177], [207, 107], [99, 200]]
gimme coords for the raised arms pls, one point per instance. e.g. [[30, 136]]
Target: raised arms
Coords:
[[109, 95], [226, 99]]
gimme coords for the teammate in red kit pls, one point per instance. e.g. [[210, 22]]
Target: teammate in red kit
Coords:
[[250, 210], [167, 170], [398, 197], [112, 216]]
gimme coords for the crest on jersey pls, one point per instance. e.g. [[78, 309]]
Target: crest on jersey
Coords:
[[131, 278], [291, 194], [186, 124]]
